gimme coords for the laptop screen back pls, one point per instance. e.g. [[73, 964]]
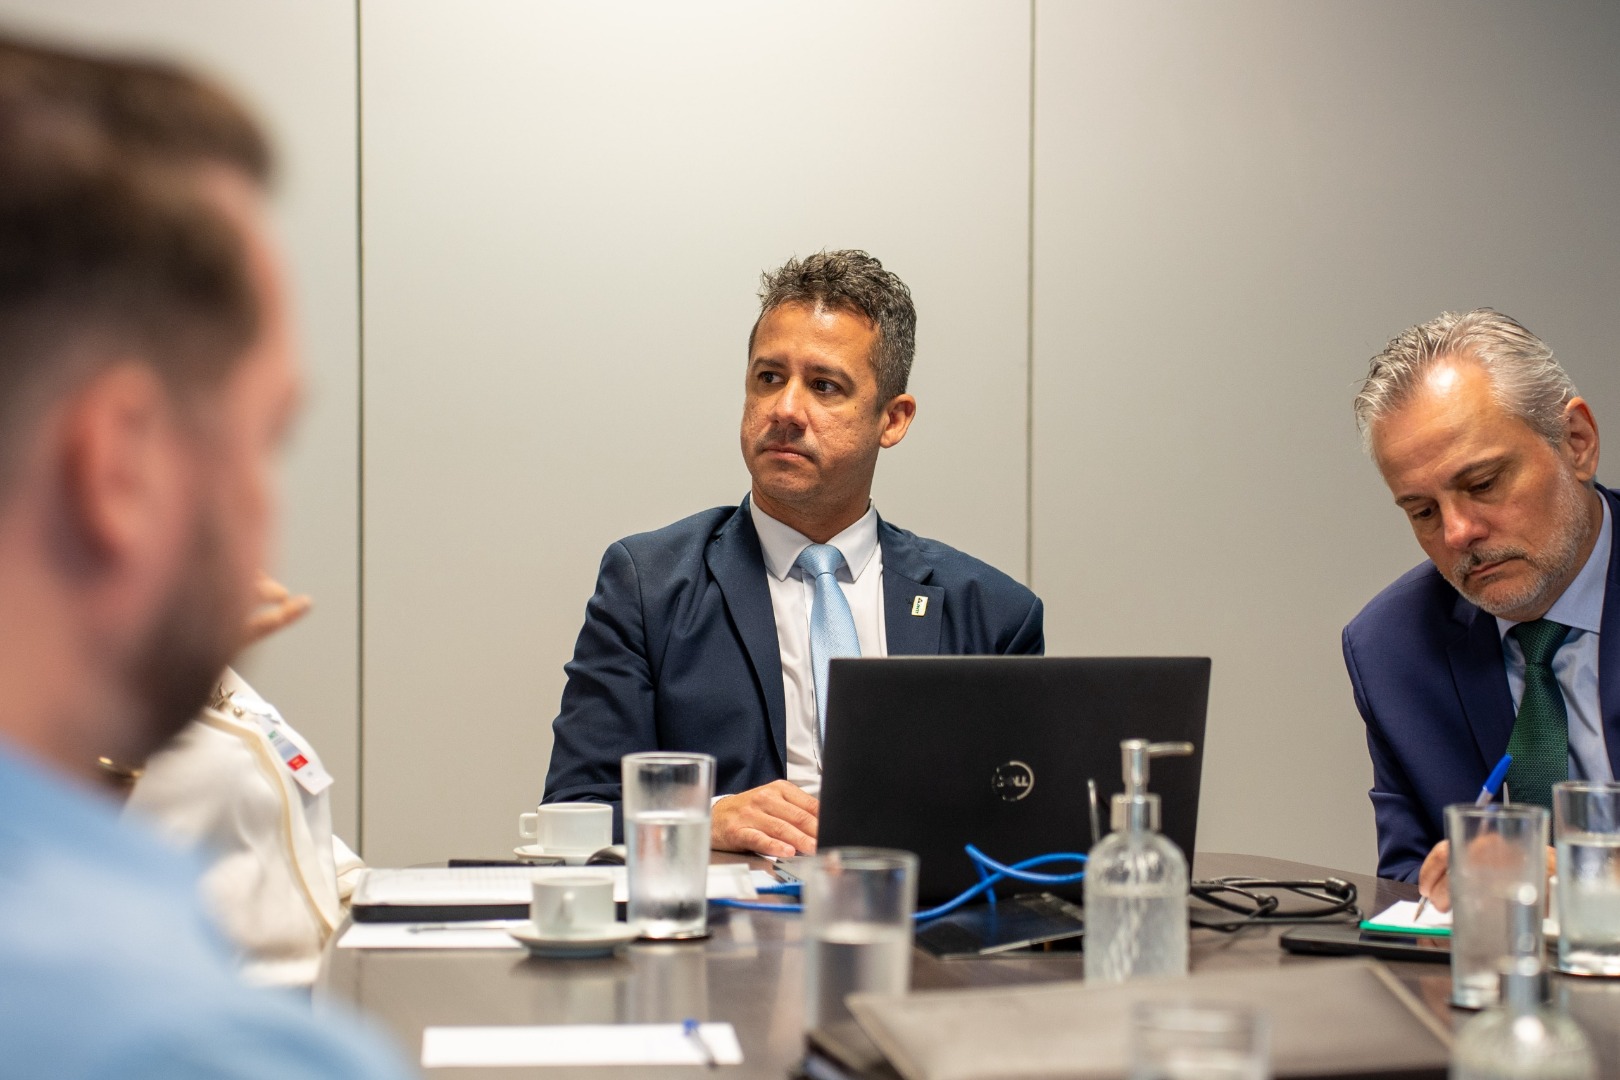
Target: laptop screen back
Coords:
[[929, 754]]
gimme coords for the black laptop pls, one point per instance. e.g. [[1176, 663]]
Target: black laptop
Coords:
[[929, 754]]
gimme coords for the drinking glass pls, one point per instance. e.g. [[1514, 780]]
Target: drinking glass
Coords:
[[1495, 849], [858, 906], [666, 831], [1586, 832], [1198, 1041]]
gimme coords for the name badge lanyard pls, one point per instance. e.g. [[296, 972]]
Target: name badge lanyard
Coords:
[[295, 752]]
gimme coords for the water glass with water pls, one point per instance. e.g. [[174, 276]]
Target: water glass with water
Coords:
[[1495, 850], [858, 907], [1198, 1041], [666, 832], [1586, 832]]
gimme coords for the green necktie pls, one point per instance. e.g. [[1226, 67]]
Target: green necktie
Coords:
[[1540, 740]]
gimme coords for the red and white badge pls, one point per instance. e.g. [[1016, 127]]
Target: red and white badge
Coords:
[[294, 750]]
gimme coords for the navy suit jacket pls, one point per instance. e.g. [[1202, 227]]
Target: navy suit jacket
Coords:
[[1430, 681], [679, 648]]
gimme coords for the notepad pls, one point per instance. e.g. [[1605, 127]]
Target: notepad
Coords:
[[1401, 917], [579, 1044], [436, 894], [1339, 1018], [393, 935]]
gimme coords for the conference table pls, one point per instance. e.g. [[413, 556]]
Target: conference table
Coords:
[[750, 973]]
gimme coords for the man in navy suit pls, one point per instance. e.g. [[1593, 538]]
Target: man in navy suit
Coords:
[[713, 634], [1509, 636]]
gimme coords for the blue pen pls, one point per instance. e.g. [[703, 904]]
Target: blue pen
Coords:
[[1493, 784], [694, 1033]]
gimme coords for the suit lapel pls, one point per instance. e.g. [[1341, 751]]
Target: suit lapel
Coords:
[[1609, 642], [1478, 671], [913, 611], [735, 559]]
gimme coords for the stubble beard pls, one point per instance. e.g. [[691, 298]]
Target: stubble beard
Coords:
[[1553, 569], [196, 634]]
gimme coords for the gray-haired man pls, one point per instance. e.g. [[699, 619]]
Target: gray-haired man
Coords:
[[1508, 638], [713, 634]]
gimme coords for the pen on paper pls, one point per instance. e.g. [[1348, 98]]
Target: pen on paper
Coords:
[[694, 1032], [424, 928], [1492, 785]]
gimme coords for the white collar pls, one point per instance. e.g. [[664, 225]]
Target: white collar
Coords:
[[782, 544]]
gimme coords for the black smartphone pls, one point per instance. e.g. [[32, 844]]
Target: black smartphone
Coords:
[[1345, 939]]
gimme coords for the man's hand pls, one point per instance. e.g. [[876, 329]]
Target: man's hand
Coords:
[[1434, 878], [777, 819], [277, 609]]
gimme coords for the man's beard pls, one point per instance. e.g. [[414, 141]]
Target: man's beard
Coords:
[[1551, 568], [197, 633]]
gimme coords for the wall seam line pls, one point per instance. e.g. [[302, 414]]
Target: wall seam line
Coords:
[[1029, 328], [360, 437]]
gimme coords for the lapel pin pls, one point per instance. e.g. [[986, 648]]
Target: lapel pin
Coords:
[[919, 606]]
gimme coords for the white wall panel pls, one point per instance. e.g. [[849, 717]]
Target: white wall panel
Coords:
[[567, 208], [294, 61], [1235, 206]]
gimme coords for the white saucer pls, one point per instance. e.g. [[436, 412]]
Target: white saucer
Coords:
[[597, 943], [534, 853]]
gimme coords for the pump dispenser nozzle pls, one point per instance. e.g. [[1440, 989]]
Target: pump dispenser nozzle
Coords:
[[1137, 808]]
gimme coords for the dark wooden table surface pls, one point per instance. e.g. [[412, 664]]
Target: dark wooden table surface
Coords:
[[750, 973]]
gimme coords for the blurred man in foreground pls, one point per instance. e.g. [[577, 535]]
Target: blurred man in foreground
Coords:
[[146, 380]]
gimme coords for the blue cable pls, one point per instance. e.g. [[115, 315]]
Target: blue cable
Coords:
[[990, 872], [1018, 871]]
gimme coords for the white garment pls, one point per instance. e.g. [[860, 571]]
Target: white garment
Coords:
[[792, 593], [276, 877]]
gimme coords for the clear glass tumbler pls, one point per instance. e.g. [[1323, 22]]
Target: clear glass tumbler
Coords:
[[1198, 1041], [1495, 849], [1586, 832], [666, 833], [858, 907]]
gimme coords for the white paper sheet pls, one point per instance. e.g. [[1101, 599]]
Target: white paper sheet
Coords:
[[1403, 914], [472, 935], [577, 1044], [512, 884]]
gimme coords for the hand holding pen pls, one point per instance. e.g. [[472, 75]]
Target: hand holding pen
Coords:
[[1433, 879]]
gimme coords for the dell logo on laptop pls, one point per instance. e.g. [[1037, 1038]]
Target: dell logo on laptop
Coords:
[[1012, 781]]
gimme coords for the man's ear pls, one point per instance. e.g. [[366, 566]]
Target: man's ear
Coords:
[[897, 417], [1580, 445], [119, 466]]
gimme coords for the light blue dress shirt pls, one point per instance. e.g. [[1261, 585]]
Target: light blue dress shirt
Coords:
[[109, 967], [1576, 664]]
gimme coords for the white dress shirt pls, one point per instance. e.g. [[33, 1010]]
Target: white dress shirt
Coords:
[[1575, 665], [792, 592]]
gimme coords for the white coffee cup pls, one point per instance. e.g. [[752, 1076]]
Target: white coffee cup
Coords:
[[574, 830], [576, 906]]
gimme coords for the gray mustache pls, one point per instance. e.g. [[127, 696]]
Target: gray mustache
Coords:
[[1476, 559]]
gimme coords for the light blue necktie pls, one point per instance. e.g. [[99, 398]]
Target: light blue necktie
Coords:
[[832, 626]]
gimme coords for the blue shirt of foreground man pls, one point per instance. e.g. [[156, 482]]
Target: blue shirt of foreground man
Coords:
[[146, 379], [713, 634], [1508, 638]]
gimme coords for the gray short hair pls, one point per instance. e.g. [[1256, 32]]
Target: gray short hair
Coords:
[[1525, 378], [851, 281]]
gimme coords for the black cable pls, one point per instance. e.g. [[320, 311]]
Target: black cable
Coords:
[[1330, 899]]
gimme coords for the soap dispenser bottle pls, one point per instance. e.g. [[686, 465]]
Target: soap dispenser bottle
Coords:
[[1522, 1038], [1136, 882]]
